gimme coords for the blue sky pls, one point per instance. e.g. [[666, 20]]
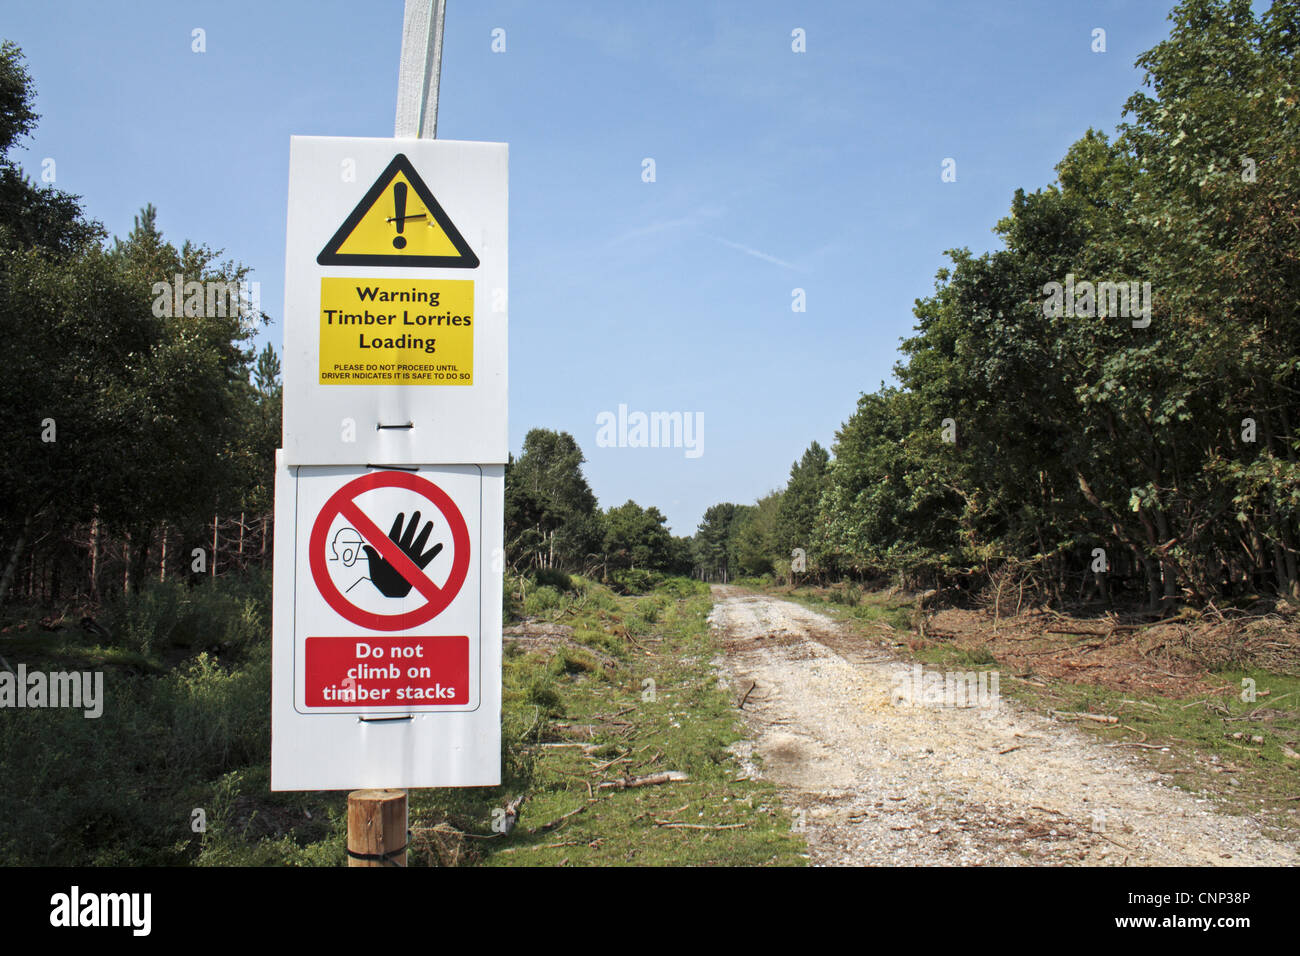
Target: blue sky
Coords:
[[775, 170]]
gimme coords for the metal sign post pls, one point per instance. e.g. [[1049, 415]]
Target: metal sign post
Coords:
[[420, 69]]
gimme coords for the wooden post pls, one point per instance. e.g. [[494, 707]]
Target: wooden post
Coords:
[[377, 827]]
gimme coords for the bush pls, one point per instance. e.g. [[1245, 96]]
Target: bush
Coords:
[[119, 789], [601, 640], [228, 613], [572, 661], [542, 692], [218, 717], [634, 580], [678, 587], [596, 595], [539, 600], [553, 578], [850, 596]]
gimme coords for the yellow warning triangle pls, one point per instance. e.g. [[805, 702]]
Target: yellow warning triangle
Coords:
[[398, 223]]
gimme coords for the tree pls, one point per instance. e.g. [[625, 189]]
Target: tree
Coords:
[[32, 216], [112, 413], [797, 515], [637, 538], [712, 541], [755, 546], [1123, 425], [551, 516]]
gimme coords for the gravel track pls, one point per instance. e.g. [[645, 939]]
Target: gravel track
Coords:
[[875, 776]]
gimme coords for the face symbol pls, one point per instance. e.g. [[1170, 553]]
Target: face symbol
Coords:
[[346, 546]]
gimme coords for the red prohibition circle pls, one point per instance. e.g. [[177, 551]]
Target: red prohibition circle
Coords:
[[343, 502]]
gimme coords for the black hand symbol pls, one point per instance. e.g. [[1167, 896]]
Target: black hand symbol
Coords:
[[386, 577]]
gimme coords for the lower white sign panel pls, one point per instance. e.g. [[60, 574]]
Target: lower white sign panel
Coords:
[[387, 627]]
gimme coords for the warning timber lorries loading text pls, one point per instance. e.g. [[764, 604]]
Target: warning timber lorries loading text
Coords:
[[358, 341]]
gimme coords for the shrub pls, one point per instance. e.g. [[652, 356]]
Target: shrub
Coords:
[[634, 580], [539, 600], [542, 691], [228, 614], [553, 578]]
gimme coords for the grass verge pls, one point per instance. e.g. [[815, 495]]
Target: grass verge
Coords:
[[598, 688]]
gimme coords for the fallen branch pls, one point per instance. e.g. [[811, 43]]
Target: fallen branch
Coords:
[[1078, 715], [617, 713], [698, 826], [545, 827], [668, 776], [448, 828], [1252, 738], [540, 846], [587, 749], [645, 763], [1123, 846], [752, 685], [1139, 703]]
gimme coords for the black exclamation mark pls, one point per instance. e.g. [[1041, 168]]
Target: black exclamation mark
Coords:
[[399, 208]]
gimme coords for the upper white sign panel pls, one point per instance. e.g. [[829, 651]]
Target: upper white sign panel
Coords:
[[395, 302]]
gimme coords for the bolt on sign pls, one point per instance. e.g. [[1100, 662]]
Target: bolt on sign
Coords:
[[395, 302], [389, 496]]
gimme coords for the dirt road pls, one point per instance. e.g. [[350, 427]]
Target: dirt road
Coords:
[[878, 771]]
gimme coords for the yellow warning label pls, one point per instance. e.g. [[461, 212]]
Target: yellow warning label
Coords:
[[399, 223], [396, 332]]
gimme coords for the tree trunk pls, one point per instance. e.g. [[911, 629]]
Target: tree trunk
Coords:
[[1168, 572], [11, 568], [141, 557], [94, 556]]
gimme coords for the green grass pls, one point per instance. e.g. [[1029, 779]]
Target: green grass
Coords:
[[186, 727], [851, 603], [660, 709], [1194, 737]]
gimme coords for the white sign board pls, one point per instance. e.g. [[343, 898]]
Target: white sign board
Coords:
[[395, 302], [386, 651]]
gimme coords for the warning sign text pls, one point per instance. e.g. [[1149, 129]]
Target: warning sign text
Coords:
[[396, 332], [387, 671]]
